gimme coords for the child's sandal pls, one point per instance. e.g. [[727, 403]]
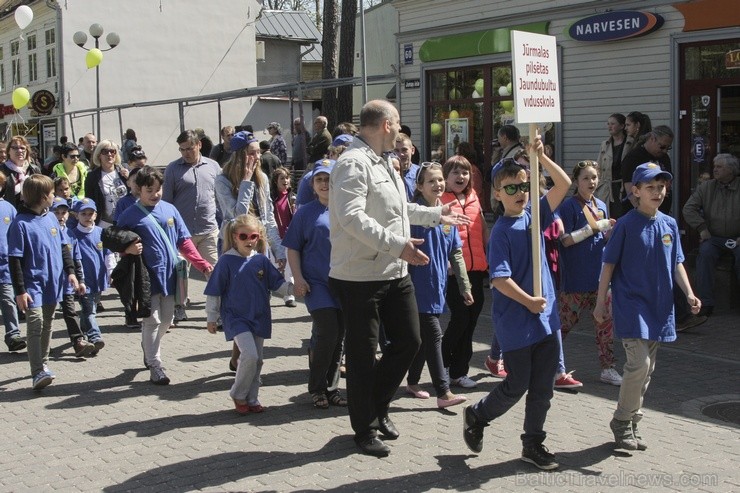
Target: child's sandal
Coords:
[[319, 400], [336, 399]]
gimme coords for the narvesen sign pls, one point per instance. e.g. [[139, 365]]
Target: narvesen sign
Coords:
[[612, 26]]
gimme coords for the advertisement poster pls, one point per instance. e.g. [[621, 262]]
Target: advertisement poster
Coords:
[[456, 131]]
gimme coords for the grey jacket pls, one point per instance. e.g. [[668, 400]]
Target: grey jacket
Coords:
[[370, 218]]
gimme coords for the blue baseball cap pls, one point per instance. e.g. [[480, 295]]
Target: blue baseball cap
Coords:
[[58, 202], [342, 140], [649, 171], [242, 139], [323, 166], [84, 204], [509, 161]]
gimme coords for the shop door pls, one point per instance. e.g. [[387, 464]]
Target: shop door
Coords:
[[709, 116]]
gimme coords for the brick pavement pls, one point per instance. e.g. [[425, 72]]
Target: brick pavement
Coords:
[[102, 426]]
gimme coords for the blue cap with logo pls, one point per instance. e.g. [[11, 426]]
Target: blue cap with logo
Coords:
[[648, 172], [242, 139], [323, 166], [342, 140], [84, 204], [58, 202]]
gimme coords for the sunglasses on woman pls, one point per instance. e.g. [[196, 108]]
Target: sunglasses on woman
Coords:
[[110, 152], [248, 236], [513, 189]]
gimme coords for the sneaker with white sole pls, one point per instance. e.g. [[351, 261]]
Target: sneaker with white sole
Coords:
[[496, 367], [42, 379], [566, 381], [180, 314], [158, 376], [539, 456], [611, 377], [465, 382]]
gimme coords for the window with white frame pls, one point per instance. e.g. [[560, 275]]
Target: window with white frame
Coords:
[[51, 53], [15, 61]]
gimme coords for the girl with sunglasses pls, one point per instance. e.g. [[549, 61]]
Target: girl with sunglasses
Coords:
[[238, 292], [442, 245], [587, 225], [72, 169]]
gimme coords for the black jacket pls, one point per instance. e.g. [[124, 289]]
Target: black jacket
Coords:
[[9, 191], [130, 277], [94, 192]]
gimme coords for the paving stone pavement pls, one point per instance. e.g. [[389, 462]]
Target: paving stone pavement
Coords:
[[102, 426]]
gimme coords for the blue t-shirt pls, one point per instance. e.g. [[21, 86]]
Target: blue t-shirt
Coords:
[[305, 190], [580, 264], [430, 281], [38, 241], [7, 214], [159, 257], [90, 246], [244, 285], [510, 255], [409, 180], [308, 234], [123, 203], [76, 257], [645, 252]]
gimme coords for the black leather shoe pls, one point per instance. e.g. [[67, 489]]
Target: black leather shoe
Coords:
[[372, 445], [387, 428]]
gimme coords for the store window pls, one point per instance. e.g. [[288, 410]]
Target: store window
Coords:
[[712, 61], [471, 104]]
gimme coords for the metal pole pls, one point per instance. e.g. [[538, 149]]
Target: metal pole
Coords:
[[97, 91], [364, 62]]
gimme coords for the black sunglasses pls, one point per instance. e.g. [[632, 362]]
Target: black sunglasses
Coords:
[[513, 189]]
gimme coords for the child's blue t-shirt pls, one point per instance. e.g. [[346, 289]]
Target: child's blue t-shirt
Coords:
[[123, 203], [430, 281], [159, 257], [645, 252], [510, 255], [7, 214], [74, 252], [409, 180], [244, 285], [308, 234], [90, 246], [38, 241], [580, 264], [305, 190]]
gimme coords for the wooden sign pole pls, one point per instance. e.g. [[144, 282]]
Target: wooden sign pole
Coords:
[[534, 196]]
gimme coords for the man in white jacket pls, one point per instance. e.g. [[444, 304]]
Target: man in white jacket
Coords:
[[371, 249]]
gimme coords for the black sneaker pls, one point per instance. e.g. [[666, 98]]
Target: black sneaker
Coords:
[[16, 343], [539, 456], [472, 430], [132, 322]]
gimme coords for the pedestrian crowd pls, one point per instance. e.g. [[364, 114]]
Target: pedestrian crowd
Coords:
[[378, 245]]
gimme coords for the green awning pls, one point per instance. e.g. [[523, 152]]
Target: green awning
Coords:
[[476, 43]]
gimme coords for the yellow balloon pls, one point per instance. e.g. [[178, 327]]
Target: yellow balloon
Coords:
[[508, 106], [436, 129], [93, 58], [454, 114], [21, 97]]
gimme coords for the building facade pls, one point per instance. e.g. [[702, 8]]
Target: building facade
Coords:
[[167, 52], [682, 69]]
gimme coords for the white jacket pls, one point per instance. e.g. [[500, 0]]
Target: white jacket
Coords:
[[370, 218]]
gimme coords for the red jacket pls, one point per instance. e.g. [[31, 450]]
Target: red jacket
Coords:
[[473, 235]]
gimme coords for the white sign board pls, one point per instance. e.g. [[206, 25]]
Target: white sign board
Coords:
[[536, 83]]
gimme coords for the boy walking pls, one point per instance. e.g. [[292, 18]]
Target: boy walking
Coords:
[[526, 326], [642, 300]]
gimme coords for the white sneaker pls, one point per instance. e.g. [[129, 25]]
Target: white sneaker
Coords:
[[464, 382], [611, 377]]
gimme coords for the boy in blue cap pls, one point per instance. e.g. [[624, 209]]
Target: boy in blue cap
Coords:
[[526, 325], [641, 261]]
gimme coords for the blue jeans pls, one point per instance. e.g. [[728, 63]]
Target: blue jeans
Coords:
[[9, 310], [88, 324], [530, 370], [709, 253]]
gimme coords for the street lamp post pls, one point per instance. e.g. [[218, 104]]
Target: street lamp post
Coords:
[[113, 40]]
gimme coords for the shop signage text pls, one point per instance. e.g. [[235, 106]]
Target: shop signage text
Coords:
[[613, 26], [412, 84], [732, 59], [43, 102]]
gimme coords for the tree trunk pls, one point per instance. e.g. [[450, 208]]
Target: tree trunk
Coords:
[[329, 48], [346, 59]]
